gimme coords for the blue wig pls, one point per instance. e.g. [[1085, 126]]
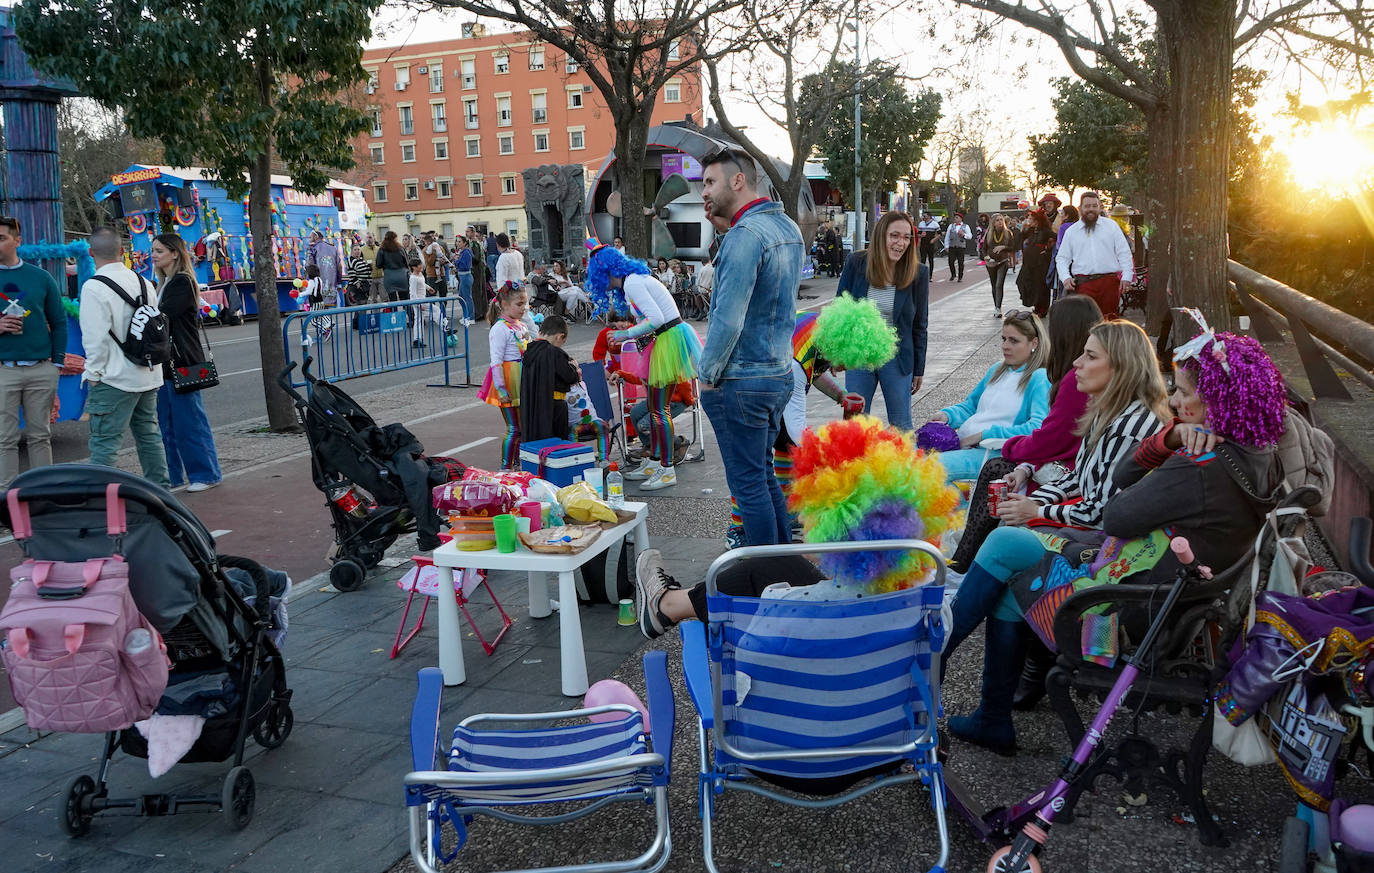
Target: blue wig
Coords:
[[605, 263]]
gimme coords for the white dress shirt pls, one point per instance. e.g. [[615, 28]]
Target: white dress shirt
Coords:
[[510, 267], [1104, 249], [958, 236]]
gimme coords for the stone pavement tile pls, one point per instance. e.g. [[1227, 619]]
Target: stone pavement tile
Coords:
[[25, 851], [380, 707], [339, 836], [540, 669], [320, 759], [32, 777], [378, 778], [453, 708], [315, 691]]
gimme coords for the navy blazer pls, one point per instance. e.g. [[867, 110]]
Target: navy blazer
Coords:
[[910, 309]]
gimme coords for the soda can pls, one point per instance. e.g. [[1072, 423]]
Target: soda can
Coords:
[[996, 491]]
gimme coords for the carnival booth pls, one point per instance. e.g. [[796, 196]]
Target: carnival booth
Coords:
[[190, 201]]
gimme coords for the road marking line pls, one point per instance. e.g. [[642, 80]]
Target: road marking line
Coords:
[[242, 339], [465, 446], [216, 534], [240, 372]]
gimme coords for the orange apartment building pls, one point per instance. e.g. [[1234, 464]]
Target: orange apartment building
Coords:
[[455, 122]]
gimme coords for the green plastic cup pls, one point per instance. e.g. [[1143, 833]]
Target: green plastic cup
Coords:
[[504, 528]]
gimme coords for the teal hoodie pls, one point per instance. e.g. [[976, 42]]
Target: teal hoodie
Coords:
[[1035, 405], [45, 327]]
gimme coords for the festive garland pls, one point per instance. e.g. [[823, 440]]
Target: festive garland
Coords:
[[46, 251]]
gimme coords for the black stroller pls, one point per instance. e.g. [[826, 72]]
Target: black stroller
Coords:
[[217, 616], [376, 480]]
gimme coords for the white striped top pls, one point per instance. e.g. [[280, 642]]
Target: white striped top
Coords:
[[885, 299], [1094, 468]]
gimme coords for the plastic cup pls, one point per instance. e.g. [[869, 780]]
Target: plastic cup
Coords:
[[503, 526], [533, 511], [522, 524], [592, 476], [627, 613]]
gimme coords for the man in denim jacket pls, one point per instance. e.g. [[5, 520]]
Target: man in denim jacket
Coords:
[[746, 365]]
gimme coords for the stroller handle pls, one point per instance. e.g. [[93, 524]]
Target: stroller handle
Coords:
[[148, 499], [284, 378]]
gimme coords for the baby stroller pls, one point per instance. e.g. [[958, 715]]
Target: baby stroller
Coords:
[[376, 480], [226, 667], [691, 303]]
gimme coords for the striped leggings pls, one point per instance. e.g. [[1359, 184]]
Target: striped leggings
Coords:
[[782, 469], [597, 428], [510, 446], [660, 424]]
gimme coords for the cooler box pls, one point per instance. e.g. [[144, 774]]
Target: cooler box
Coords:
[[557, 461]]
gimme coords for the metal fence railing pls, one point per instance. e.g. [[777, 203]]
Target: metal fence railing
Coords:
[[352, 341]]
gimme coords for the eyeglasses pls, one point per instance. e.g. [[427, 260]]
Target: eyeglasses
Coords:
[[1018, 315]]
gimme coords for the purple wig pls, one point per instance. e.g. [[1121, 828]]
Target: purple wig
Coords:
[[936, 436], [606, 262], [1242, 388]]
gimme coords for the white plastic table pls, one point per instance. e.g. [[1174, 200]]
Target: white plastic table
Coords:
[[449, 557]]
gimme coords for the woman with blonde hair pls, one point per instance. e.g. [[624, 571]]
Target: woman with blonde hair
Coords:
[[890, 274], [186, 434], [1127, 403]]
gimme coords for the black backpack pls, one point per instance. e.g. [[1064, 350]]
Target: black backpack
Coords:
[[148, 341]]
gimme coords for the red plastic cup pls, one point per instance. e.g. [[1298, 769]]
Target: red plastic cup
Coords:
[[534, 511]]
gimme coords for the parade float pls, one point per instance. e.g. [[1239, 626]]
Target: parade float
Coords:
[[191, 202]]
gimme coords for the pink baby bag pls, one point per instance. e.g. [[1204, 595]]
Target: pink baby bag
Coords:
[[80, 656]]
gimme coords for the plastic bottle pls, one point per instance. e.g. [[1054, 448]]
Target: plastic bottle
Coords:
[[615, 487], [137, 641]]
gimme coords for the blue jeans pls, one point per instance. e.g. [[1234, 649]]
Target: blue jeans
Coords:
[[465, 292], [110, 412], [639, 417], [186, 437], [896, 387], [966, 464], [746, 415], [491, 268]]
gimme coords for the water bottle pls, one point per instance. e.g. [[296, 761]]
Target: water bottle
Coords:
[[137, 641], [615, 487]]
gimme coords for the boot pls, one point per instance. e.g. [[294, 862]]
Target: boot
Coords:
[[1030, 690], [990, 725], [976, 599]]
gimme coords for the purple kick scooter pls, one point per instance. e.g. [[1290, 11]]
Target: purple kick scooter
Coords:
[[1034, 815]]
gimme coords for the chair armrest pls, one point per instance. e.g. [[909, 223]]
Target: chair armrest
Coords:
[[662, 709], [424, 719], [696, 669]]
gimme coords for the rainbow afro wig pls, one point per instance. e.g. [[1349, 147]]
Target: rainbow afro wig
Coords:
[[854, 335], [606, 262], [1242, 388], [860, 480]]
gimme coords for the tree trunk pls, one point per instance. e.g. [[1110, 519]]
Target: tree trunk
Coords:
[[1200, 41], [281, 414], [1156, 206], [631, 140]]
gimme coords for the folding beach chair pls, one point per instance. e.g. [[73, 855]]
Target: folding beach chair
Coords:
[[790, 692], [500, 764], [599, 393]]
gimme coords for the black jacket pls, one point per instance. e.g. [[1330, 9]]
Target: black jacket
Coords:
[[178, 300], [546, 369], [910, 309]]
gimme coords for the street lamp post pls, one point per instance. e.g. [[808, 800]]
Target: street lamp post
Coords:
[[858, 138]]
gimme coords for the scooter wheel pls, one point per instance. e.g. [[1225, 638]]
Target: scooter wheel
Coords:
[[347, 575], [1001, 860]]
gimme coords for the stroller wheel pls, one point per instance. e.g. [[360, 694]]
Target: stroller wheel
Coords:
[[237, 798], [347, 575], [275, 726], [76, 812], [998, 864]]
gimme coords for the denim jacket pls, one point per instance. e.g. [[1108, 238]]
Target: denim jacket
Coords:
[[910, 310], [757, 274]]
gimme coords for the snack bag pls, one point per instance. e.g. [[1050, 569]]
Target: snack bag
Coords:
[[581, 504], [483, 499]]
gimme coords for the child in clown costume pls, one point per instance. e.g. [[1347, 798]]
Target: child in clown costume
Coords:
[[669, 348], [512, 329]]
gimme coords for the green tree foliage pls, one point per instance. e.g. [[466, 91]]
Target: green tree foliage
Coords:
[[237, 87], [998, 178], [896, 126], [94, 144], [1099, 141]]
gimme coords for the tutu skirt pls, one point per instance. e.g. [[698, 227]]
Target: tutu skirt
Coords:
[[670, 358], [510, 371]]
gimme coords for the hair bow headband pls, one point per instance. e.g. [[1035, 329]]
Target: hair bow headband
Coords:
[[1197, 346]]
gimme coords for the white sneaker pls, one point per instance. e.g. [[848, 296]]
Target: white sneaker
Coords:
[[646, 469], [664, 478], [195, 487]]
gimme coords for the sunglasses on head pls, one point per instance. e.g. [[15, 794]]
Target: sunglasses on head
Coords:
[[1018, 315]]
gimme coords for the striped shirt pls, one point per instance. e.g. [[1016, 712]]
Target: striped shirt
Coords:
[[885, 299], [1094, 467]]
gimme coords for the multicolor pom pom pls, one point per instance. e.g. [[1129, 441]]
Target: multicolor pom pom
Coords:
[[854, 335], [860, 480], [936, 436]]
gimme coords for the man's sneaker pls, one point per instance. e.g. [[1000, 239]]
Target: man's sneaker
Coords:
[[645, 470], [651, 581], [734, 536], [663, 478]]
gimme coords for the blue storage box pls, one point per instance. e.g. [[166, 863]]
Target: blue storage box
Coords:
[[563, 462]]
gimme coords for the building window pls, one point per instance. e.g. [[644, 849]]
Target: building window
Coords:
[[445, 192], [672, 92], [469, 69], [437, 114], [446, 230], [379, 192], [436, 78], [402, 78], [575, 97], [503, 117], [407, 152], [407, 121], [475, 186], [675, 50], [376, 116], [377, 157], [541, 140], [512, 226], [536, 57], [571, 65], [372, 83], [539, 102], [441, 150], [507, 184], [474, 146], [412, 189], [502, 63], [470, 113], [505, 143], [577, 139]]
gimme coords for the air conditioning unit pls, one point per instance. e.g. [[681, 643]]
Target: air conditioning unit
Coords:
[[423, 71], [401, 86], [586, 89], [429, 186], [410, 216]]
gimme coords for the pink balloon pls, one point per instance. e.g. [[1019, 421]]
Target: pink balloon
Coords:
[[609, 691], [1357, 827]]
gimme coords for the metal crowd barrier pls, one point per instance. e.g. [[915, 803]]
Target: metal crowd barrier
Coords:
[[347, 342]]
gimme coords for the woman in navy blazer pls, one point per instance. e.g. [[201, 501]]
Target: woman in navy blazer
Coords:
[[892, 263]]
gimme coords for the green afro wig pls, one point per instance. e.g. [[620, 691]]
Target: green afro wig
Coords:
[[852, 334]]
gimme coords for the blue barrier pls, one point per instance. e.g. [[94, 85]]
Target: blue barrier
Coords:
[[351, 341]]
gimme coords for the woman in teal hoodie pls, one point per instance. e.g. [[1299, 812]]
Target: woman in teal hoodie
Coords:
[[1011, 400]]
